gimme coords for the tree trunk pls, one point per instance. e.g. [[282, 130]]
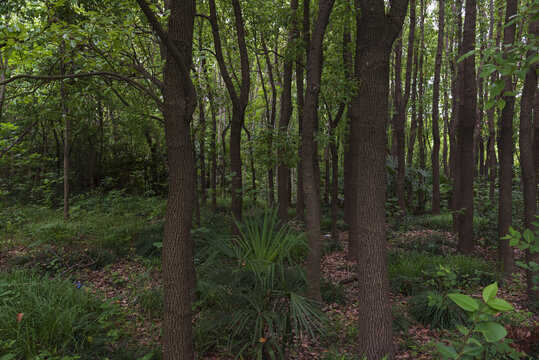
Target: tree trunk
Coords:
[[311, 184], [528, 119], [505, 148], [466, 125], [420, 112], [283, 173], [180, 99], [375, 36], [435, 158], [65, 117]]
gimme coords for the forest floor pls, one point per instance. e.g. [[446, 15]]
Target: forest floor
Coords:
[[127, 279]]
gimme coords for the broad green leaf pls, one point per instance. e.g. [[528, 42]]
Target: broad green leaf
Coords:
[[528, 235], [468, 54], [463, 329], [490, 291], [497, 88], [500, 104], [499, 304], [472, 350], [464, 301], [491, 331], [448, 352]]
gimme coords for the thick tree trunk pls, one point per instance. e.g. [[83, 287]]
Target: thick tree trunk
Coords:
[[466, 125], [435, 158], [311, 184], [375, 36], [283, 173], [180, 100], [505, 148]]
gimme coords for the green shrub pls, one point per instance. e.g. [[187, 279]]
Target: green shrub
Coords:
[[250, 290], [442, 222], [58, 319], [436, 310], [146, 239], [412, 272], [333, 293], [151, 302]]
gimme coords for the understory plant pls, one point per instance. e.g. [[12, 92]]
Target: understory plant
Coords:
[[481, 337], [251, 291]]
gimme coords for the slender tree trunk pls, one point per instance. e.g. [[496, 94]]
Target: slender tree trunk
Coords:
[[505, 148], [213, 142], [65, 117], [375, 36], [283, 173], [420, 112], [311, 183], [239, 102], [300, 58], [527, 139], [446, 127], [435, 158], [466, 125]]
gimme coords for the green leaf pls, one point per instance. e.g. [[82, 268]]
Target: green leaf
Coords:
[[468, 54], [499, 304], [492, 331], [497, 88], [472, 350], [500, 104], [528, 235], [463, 329], [448, 352], [464, 301], [490, 291], [7, 357]]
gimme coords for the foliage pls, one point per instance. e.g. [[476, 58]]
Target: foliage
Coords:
[[528, 240], [482, 337], [435, 309], [250, 289], [51, 317], [332, 293], [410, 273]]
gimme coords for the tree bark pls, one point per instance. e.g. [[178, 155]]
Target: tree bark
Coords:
[[375, 36], [435, 158], [466, 125], [239, 102], [310, 168], [65, 117], [530, 173], [505, 149], [179, 105], [283, 173]]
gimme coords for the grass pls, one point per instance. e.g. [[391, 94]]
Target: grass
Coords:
[[57, 318], [442, 221]]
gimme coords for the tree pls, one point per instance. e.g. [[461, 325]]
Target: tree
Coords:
[[376, 32], [505, 146], [310, 168], [435, 159], [180, 102], [239, 101], [466, 123]]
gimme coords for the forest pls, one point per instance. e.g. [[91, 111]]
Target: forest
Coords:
[[285, 179]]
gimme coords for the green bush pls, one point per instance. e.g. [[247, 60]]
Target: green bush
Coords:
[[436, 310], [442, 222], [250, 290], [333, 293], [58, 319], [146, 239], [151, 302], [412, 272]]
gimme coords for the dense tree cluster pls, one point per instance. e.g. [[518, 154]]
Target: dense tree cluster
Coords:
[[295, 103]]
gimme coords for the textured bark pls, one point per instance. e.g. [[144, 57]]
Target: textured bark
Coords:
[[466, 125], [446, 127], [283, 173], [239, 101], [505, 149], [311, 183], [271, 120], [213, 142], [375, 36], [179, 105], [413, 123], [530, 174], [435, 158]]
